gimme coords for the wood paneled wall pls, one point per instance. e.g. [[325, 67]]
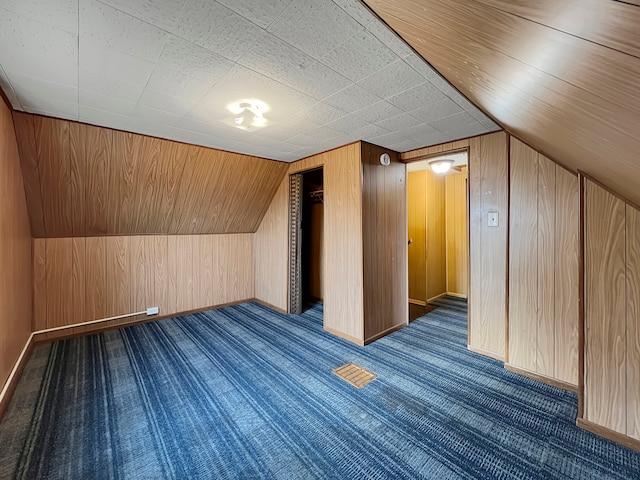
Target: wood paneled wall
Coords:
[[384, 237], [316, 251], [83, 180], [488, 183], [611, 343], [88, 278], [427, 230], [543, 262], [457, 234], [16, 292]]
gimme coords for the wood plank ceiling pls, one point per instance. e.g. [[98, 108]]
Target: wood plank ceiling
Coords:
[[562, 76]]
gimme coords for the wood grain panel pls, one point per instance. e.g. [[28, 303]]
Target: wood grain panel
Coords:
[[96, 306], [605, 309], [93, 181], [162, 279], [553, 92], [343, 310], [523, 256], [436, 254], [316, 251], [384, 237], [546, 235], [421, 153], [633, 322], [26, 138], [567, 276], [16, 273], [417, 214], [143, 272], [456, 234], [488, 245], [39, 284], [271, 251]]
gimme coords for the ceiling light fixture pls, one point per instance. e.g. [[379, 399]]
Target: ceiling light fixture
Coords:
[[440, 165], [248, 114]]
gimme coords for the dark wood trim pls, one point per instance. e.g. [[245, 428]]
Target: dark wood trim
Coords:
[[611, 191], [269, 306], [468, 188], [65, 334], [10, 107], [19, 368], [540, 378], [610, 434], [453, 150], [486, 353], [581, 295], [427, 156], [508, 262], [384, 333]]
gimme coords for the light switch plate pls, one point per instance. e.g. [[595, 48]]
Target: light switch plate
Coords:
[[492, 219]]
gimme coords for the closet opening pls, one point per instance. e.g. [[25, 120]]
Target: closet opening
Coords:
[[306, 263]]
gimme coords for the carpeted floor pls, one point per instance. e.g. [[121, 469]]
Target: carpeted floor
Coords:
[[243, 392]]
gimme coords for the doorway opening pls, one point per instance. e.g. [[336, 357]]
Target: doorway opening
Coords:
[[306, 231], [438, 233]]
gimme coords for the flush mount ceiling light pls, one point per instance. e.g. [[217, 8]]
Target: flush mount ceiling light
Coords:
[[440, 165], [248, 114]]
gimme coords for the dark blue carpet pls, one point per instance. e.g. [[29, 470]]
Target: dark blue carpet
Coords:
[[243, 392]]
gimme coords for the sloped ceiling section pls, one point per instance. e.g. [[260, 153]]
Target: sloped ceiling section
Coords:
[[82, 180], [325, 73], [562, 76]]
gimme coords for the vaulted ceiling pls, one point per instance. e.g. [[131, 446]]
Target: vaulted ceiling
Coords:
[[564, 76], [328, 71]]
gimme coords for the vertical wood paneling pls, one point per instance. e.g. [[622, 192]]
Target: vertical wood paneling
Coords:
[[316, 249], [456, 233], [173, 160], [271, 251], [384, 230], [488, 247], [605, 310], [118, 268], [99, 151], [16, 272], [143, 272], [633, 322], [206, 293], [566, 276], [26, 138], [161, 265], [546, 234], [436, 251], [78, 174], [149, 194], [343, 310], [127, 149], [523, 257], [417, 215], [39, 284], [95, 279], [59, 284]]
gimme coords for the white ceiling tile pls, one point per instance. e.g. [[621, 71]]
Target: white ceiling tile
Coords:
[[37, 50], [490, 125], [314, 26], [389, 38], [352, 99], [214, 27], [120, 31], [349, 123], [62, 14], [105, 61], [405, 146], [278, 60], [262, 13], [193, 60], [368, 132], [423, 68], [102, 118], [44, 105], [379, 111], [161, 13], [108, 86], [420, 130], [167, 103], [7, 88], [145, 115], [471, 109], [177, 84], [469, 130], [392, 80], [314, 136], [453, 122], [400, 123], [107, 104], [388, 139], [321, 113], [362, 55], [435, 111], [357, 10], [289, 157], [421, 95], [28, 87]]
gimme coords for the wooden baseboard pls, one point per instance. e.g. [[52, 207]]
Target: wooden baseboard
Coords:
[[486, 353], [457, 295], [437, 297], [375, 337], [541, 378], [68, 332], [270, 306], [422, 303], [605, 432], [14, 376], [344, 336]]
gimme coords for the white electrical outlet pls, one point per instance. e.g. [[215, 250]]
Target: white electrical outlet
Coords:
[[492, 219], [152, 311]]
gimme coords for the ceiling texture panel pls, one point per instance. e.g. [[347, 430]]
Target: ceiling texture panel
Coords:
[[562, 76], [322, 73]]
